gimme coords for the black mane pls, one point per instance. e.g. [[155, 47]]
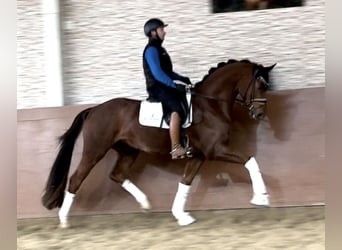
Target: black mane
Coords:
[[220, 65]]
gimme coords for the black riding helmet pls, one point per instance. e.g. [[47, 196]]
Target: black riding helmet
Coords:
[[153, 24]]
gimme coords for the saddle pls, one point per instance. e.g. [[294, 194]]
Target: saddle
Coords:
[[152, 114]]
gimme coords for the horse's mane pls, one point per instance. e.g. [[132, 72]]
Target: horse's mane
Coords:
[[220, 65]]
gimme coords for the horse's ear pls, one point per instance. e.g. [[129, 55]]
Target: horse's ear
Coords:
[[268, 69]]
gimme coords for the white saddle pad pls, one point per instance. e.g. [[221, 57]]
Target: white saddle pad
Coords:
[[151, 114]]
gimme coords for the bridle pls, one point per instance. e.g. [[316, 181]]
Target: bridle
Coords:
[[252, 100], [241, 98]]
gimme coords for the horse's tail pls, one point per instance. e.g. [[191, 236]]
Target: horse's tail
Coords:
[[56, 183]]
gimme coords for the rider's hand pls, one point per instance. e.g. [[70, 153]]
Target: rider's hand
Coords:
[[186, 80], [180, 88]]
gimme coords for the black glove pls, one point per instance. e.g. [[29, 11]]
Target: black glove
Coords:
[[180, 88], [186, 80]]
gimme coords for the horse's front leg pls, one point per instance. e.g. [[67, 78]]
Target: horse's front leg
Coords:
[[260, 195], [191, 169]]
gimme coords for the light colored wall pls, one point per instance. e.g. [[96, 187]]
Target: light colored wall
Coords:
[[103, 42], [31, 86]]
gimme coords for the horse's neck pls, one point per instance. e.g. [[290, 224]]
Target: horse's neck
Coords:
[[217, 96], [220, 90], [219, 86]]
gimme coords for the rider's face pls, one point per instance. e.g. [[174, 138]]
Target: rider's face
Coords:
[[161, 33]]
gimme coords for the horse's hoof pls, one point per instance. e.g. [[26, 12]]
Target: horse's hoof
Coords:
[[185, 219], [63, 221], [145, 205], [64, 224], [260, 200]]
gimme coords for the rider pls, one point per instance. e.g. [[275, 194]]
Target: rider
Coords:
[[160, 83]]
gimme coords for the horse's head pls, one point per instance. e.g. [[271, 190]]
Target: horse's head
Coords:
[[251, 90], [231, 81]]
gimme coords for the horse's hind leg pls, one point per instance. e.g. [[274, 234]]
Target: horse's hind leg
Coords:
[[120, 174], [86, 164]]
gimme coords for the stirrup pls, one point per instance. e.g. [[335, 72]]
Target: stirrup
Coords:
[[178, 152], [188, 152], [188, 149]]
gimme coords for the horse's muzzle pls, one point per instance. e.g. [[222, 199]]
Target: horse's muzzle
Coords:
[[256, 114]]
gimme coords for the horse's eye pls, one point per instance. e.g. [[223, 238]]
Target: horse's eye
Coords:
[[263, 84]]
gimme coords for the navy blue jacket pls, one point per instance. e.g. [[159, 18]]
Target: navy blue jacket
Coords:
[[158, 66]]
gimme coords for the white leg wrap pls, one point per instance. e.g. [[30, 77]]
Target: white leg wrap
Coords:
[[260, 196], [64, 210], [137, 194], [179, 205]]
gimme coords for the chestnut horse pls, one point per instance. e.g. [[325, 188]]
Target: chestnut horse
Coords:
[[113, 125]]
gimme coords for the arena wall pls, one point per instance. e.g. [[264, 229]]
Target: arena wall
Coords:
[[102, 43]]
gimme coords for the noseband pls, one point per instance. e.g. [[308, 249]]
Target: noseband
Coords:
[[250, 103]]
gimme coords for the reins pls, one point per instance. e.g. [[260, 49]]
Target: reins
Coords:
[[242, 100], [207, 97]]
